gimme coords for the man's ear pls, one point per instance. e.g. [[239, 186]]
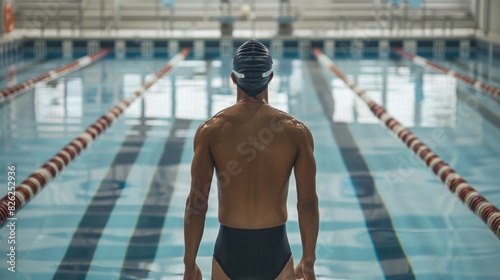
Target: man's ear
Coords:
[[271, 77], [233, 78]]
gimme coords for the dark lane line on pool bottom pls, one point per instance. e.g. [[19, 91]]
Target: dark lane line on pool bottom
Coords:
[[76, 262], [388, 249], [144, 242]]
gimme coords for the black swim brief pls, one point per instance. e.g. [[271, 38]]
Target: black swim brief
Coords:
[[252, 253]]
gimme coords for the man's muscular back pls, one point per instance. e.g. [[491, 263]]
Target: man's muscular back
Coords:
[[254, 148]]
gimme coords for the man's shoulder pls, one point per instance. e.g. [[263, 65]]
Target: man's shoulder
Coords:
[[209, 125], [290, 121], [207, 128], [277, 116]]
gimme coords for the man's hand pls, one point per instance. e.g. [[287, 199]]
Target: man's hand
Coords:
[[305, 270], [192, 272]]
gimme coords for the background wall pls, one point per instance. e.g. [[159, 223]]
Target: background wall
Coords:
[[487, 19], [1, 12], [494, 17], [310, 17]]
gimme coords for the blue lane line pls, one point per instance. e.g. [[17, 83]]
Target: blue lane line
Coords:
[[143, 244], [108, 258], [388, 248], [76, 261]]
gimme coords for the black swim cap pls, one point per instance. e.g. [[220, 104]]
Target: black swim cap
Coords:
[[252, 67]]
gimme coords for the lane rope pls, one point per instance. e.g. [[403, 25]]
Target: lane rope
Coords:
[[439, 68], [52, 75], [456, 184], [35, 182]]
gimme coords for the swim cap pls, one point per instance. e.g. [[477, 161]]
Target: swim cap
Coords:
[[252, 67]]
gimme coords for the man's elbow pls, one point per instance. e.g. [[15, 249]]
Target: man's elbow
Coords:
[[195, 208], [308, 205]]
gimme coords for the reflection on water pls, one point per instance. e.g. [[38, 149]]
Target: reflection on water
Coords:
[[411, 94]]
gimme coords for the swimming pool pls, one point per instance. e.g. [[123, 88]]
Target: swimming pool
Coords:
[[117, 211]]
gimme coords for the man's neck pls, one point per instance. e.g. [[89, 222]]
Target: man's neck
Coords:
[[242, 97]]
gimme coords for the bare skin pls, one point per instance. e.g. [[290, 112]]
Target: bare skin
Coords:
[[253, 148]]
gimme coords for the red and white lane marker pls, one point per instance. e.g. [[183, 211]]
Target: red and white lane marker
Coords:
[[35, 182], [458, 185], [51, 75], [436, 67]]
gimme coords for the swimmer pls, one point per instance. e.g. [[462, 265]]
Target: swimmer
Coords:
[[253, 148]]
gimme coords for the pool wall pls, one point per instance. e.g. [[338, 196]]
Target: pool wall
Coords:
[[359, 47]]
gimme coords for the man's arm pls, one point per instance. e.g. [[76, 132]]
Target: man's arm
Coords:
[[307, 200], [197, 202]]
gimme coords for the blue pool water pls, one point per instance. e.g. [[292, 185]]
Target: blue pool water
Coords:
[[117, 211]]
